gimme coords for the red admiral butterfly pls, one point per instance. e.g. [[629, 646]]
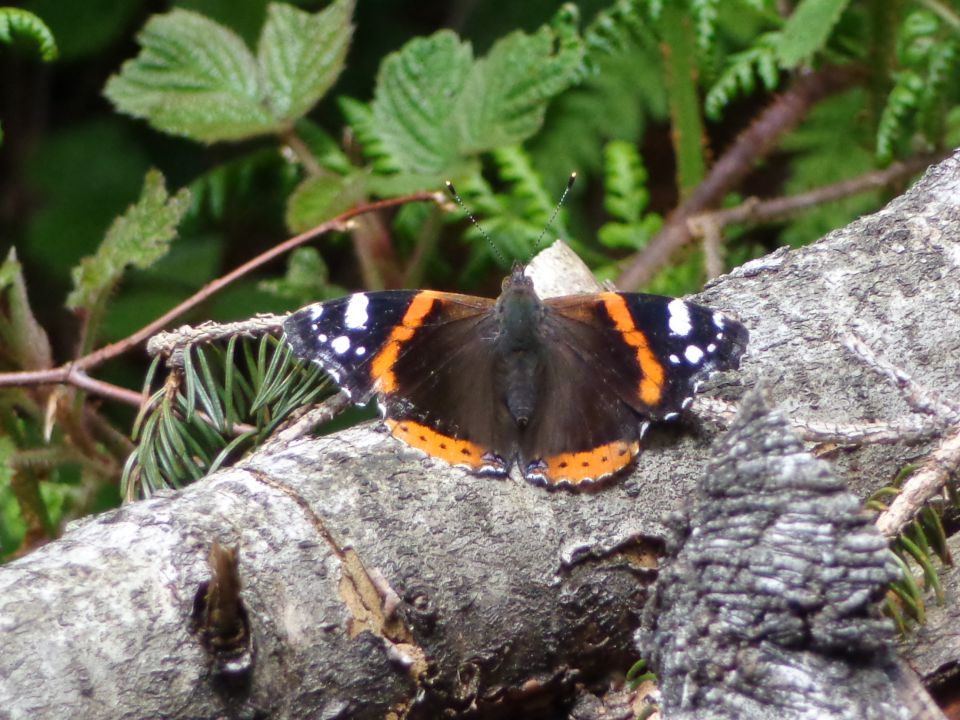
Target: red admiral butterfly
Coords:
[[566, 386]]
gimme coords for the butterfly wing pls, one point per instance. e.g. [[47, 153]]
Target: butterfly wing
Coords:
[[614, 362], [426, 355]]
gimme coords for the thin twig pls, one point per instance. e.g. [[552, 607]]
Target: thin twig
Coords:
[[922, 486], [172, 344], [920, 398], [754, 143], [70, 373], [299, 424], [723, 412], [759, 211], [302, 153]]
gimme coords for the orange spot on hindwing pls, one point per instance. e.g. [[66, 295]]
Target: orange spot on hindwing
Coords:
[[651, 371], [586, 466], [449, 449], [381, 369]]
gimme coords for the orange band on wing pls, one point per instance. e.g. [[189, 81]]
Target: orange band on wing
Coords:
[[381, 369], [434, 444], [651, 384], [601, 462]]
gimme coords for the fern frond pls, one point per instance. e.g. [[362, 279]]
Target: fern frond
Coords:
[[626, 198], [902, 103], [16, 22], [705, 23], [741, 73]]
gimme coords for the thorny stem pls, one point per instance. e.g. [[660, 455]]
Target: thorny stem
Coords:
[[754, 143]]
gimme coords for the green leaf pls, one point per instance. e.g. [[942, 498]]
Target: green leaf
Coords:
[[739, 75], [15, 22], [505, 97], [318, 199], [22, 340], [625, 179], [807, 30], [307, 279], [139, 238], [302, 54], [12, 525], [418, 90], [433, 107], [193, 77]]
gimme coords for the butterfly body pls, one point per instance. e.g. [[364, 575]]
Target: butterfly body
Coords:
[[565, 387]]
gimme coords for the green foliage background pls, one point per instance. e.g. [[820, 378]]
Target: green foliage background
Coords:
[[239, 124]]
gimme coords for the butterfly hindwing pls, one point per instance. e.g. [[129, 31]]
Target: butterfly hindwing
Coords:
[[673, 345]]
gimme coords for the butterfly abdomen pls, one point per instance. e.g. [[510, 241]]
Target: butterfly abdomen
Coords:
[[519, 348]]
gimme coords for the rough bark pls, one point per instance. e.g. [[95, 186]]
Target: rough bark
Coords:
[[379, 582], [768, 597]]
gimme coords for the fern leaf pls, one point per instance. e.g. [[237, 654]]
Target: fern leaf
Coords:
[[902, 102], [807, 30], [941, 71], [625, 182], [15, 22], [739, 77], [705, 23]]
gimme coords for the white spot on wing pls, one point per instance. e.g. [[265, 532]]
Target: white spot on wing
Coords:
[[316, 311], [711, 348], [718, 320], [674, 360], [693, 354], [679, 321], [340, 344], [360, 351], [322, 338], [356, 316]]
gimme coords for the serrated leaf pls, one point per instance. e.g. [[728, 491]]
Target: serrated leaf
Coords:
[[15, 22], [418, 90], [302, 54], [505, 97], [138, 238], [807, 30], [306, 280], [193, 77], [318, 199]]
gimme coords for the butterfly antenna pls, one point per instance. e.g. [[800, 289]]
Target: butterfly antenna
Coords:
[[476, 223], [573, 178]]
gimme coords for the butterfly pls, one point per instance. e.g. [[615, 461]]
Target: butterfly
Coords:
[[565, 387]]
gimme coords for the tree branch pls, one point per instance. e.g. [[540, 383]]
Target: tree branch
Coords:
[[754, 143]]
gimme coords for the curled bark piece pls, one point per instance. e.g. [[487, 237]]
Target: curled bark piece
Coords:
[[769, 602]]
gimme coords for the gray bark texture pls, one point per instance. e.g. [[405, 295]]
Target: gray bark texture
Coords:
[[378, 583], [768, 597]]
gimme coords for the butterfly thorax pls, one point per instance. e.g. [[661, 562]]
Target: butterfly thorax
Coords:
[[519, 346]]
